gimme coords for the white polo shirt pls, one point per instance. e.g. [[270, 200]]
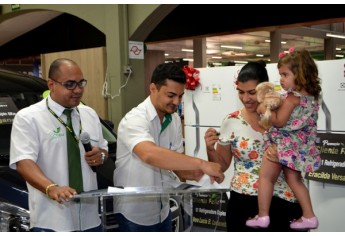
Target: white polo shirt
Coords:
[[142, 124], [39, 136]]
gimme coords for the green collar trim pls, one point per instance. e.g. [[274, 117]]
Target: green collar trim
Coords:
[[166, 122]]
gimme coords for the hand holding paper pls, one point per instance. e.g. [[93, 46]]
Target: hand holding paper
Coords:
[[205, 182]]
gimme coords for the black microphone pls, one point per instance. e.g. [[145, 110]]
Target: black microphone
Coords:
[[85, 140]]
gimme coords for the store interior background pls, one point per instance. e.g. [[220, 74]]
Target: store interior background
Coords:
[[221, 44], [203, 29], [29, 31], [216, 35]]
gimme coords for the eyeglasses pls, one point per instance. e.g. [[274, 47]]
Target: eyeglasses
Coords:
[[72, 84]]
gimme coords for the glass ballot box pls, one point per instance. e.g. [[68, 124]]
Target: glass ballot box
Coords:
[[206, 204]]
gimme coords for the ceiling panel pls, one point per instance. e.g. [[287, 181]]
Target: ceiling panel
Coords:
[[252, 43], [16, 26]]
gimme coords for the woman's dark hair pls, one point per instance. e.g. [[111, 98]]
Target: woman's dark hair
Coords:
[[166, 71], [253, 71]]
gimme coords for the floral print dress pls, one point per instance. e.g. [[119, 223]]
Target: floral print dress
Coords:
[[247, 149], [296, 141]]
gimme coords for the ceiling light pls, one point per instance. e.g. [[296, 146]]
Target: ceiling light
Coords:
[[166, 54], [338, 49], [188, 59], [186, 50], [339, 55], [268, 41], [229, 46], [217, 57], [240, 62], [259, 55], [232, 53], [212, 51], [217, 63], [336, 36]]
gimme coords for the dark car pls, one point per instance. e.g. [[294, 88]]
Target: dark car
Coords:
[[16, 92]]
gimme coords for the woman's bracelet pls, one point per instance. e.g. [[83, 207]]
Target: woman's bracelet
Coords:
[[48, 187]]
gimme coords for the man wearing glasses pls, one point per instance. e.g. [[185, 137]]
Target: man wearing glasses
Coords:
[[43, 138]]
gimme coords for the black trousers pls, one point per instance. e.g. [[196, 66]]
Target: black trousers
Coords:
[[242, 207]]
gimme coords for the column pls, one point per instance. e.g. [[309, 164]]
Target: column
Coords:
[[275, 45], [199, 54]]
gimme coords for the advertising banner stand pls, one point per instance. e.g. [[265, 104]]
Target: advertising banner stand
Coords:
[[332, 169]]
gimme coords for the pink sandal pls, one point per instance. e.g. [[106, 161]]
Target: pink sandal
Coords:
[[305, 223], [258, 222]]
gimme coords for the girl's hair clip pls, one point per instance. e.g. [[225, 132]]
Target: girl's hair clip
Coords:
[[283, 54]]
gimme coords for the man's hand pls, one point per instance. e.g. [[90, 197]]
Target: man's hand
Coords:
[[60, 194], [213, 170]]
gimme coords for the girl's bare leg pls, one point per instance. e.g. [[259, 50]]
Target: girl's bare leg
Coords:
[[268, 175], [295, 182]]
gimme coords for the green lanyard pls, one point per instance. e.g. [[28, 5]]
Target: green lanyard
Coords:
[[76, 139], [166, 122]]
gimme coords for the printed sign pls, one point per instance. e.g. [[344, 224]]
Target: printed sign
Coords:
[[209, 210], [216, 92], [332, 169], [135, 50], [7, 110]]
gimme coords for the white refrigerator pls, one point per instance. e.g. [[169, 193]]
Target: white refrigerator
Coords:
[[209, 103], [328, 199], [206, 106], [216, 97]]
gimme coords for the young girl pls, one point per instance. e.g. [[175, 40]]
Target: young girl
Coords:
[[293, 136]]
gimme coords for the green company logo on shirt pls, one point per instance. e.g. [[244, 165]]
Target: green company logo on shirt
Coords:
[[56, 133]]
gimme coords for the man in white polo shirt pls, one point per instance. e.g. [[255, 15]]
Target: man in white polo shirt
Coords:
[[39, 151], [149, 145]]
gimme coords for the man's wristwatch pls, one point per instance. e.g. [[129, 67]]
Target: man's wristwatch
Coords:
[[102, 157]]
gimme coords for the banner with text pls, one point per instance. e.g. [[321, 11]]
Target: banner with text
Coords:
[[209, 210], [7, 110], [332, 169]]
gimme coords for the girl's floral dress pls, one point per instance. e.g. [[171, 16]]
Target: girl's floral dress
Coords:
[[296, 141]]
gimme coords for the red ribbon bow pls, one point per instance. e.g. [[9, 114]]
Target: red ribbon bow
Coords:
[[192, 77]]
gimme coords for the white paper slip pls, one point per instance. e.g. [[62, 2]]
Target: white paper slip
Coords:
[[116, 189], [205, 183], [179, 185]]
